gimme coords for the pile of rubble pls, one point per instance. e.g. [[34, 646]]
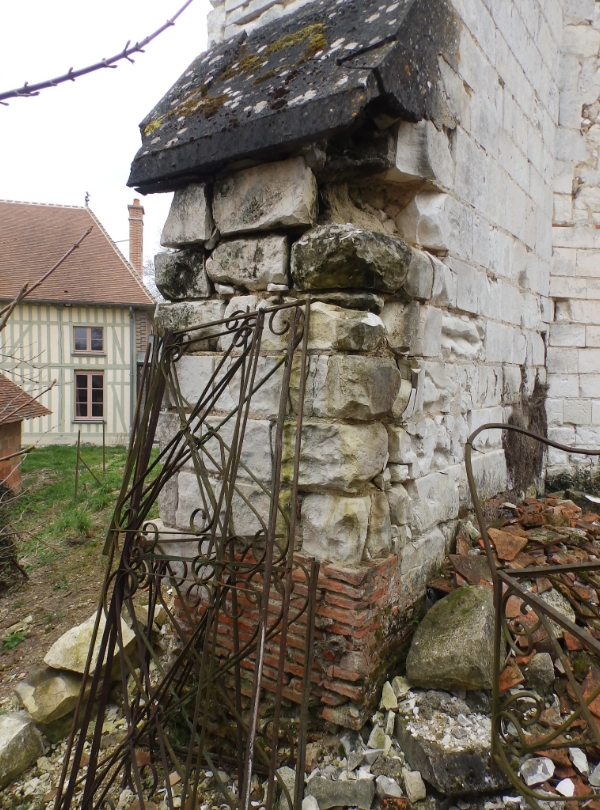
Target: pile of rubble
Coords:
[[428, 743]]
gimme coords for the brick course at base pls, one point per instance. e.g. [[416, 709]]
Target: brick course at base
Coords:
[[360, 626], [10, 442]]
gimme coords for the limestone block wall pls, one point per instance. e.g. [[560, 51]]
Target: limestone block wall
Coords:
[[573, 403], [431, 313]]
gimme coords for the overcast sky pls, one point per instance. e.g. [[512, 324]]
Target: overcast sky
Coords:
[[82, 136]]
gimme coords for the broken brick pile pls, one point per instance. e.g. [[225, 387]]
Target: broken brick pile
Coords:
[[542, 533]]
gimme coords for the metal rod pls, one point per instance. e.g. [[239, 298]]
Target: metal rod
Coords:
[[77, 464]]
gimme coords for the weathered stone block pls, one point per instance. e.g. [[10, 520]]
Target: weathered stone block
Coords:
[[453, 647], [249, 511], [422, 151], [345, 256], [342, 457], [270, 196], [461, 336], [435, 498], [48, 694], [70, 651], [194, 315], [20, 746], [425, 221], [379, 536], [419, 280], [357, 387], [335, 528], [399, 503], [356, 793], [194, 375], [402, 322], [250, 263], [190, 219], [400, 446], [334, 328], [182, 275]]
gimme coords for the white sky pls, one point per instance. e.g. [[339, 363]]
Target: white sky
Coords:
[[82, 136]]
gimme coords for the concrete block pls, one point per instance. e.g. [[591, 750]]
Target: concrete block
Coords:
[[468, 284], [400, 446], [252, 263], [267, 197], [190, 220], [589, 386], [423, 151], [194, 375], [461, 336]]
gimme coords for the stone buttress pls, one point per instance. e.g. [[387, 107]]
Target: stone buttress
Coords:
[[335, 153]]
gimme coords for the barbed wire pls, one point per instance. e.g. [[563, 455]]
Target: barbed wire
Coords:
[[29, 90]]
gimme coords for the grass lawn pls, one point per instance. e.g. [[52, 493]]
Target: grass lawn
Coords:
[[60, 540]]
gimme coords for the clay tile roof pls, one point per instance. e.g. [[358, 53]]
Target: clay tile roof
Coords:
[[295, 81], [34, 236], [16, 405]]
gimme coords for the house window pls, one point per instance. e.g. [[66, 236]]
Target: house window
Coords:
[[88, 338], [89, 395]]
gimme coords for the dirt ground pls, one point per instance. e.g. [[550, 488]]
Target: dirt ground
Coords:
[[55, 598]]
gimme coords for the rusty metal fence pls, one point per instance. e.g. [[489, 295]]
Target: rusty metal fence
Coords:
[[516, 730], [207, 691]]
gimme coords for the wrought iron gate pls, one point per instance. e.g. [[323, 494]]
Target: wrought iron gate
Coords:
[[207, 692]]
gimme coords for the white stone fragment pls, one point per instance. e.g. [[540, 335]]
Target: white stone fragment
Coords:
[[579, 760], [190, 219], [387, 788], [414, 785], [388, 700], [20, 745], [70, 651], [566, 787], [537, 770], [400, 686], [267, 197]]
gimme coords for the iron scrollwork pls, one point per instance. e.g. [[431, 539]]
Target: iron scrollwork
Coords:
[[222, 581]]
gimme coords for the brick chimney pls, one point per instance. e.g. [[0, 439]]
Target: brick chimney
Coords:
[[136, 236]]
